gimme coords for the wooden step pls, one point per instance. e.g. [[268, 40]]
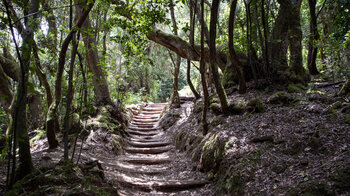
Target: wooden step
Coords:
[[148, 144], [146, 117], [154, 150]]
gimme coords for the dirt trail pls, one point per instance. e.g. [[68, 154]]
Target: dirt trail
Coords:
[[151, 165]]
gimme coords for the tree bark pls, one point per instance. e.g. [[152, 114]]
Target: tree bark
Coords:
[[102, 96], [52, 123], [216, 77], [295, 38], [175, 101], [203, 73], [314, 36], [234, 59], [6, 95], [188, 73]]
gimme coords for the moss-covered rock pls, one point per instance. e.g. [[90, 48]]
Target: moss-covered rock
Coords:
[[65, 178], [228, 78], [256, 105], [341, 178], [215, 107], [279, 98], [295, 88], [311, 188], [237, 108], [336, 105], [347, 118], [213, 152], [170, 118]]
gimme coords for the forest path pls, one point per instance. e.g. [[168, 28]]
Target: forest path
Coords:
[[151, 165]]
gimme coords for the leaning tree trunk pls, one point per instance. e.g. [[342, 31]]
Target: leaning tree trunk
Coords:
[[216, 77], [234, 59], [52, 123], [102, 96], [314, 36]]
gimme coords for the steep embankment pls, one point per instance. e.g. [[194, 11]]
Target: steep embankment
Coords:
[[277, 142]]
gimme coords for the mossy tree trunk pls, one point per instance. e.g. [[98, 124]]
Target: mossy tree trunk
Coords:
[[203, 75], [314, 36], [235, 61], [101, 91], [175, 101], [216, 77], [52, 123], [19, 123]]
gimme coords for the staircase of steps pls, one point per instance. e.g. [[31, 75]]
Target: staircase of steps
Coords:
[[151, 165]]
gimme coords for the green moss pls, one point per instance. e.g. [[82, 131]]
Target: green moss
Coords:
[[256, 105], [336, 105], [311, 188], [213, 152], [217, 120], [347, 119], [341, 178], [228, 78], [215, 107], [279, 98], [295, 88], [236, 108]]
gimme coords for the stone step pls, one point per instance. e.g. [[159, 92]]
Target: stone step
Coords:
[[143, 126], [153, 150], [140, 116], [143, 133], [140, 169], [148, 144], [145, 120], [143, 140], [159, 185], [149, 112], [158, 109], [147, 161], [142, 129]]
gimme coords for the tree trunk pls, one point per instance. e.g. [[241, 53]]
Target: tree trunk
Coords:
[[314, 36], [203, 73], [5, 91], [175, 101], [216, 77], [235, 61], [19, 123], [188, 72], [295, 38], [279, 41], [102, 96], [52, 33], [52, 123]]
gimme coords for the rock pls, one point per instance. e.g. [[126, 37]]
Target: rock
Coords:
[[280, 168], [279, 98], [256, 105], [318, 188], [260, 139], [341, 178], [295, 88]]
